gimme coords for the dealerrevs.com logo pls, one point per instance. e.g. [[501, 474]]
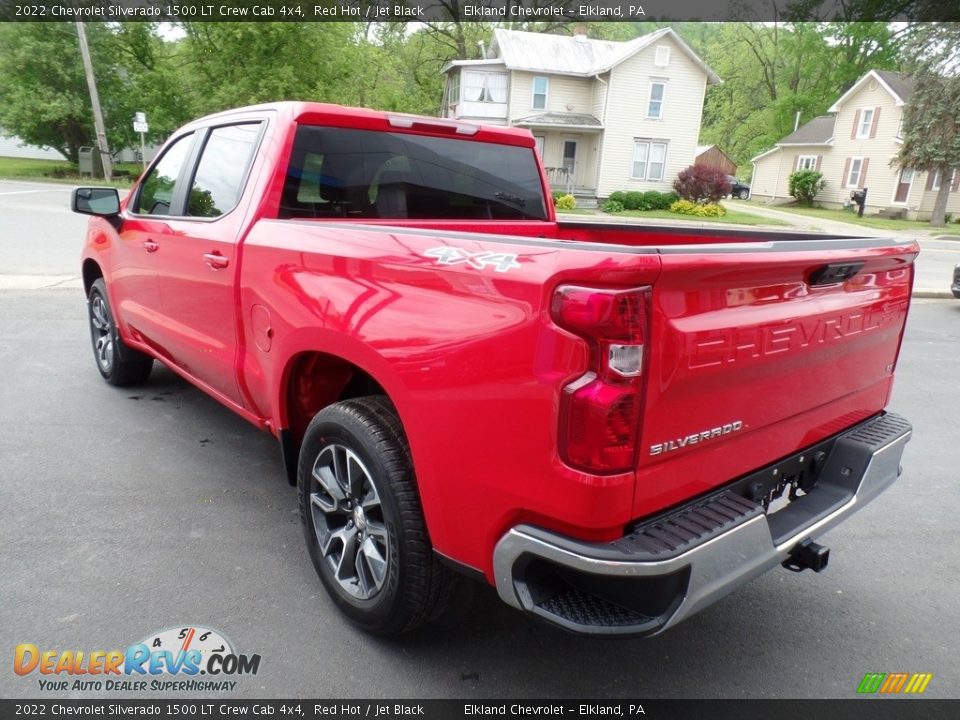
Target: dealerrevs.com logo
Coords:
[[188, 658]]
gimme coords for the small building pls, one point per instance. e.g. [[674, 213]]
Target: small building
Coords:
[[713, 157], [856, 147], [606, 115]]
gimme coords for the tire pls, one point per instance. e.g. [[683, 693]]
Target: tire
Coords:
[[119, 364], [743, 194], [369, 542]]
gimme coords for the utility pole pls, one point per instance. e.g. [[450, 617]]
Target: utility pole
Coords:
[[95, 101]]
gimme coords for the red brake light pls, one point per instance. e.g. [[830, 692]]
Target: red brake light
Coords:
[[600, 411]]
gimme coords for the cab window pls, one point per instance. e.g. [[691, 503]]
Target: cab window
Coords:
[[157, 190]]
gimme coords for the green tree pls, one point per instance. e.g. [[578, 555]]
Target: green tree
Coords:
[[772, 71], [45, 97], [931, 118]]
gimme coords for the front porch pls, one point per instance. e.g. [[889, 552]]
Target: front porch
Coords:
[[563, 180], [569, 146]]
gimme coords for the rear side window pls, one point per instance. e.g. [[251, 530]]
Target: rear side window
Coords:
[[223, 165], [158, 188], [340, 172]]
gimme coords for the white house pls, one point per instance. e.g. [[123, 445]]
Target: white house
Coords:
[[856, 147], [607, 115]]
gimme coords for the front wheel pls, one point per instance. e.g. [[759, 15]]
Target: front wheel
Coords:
[[363, 522], [743, 194], [118, 364]]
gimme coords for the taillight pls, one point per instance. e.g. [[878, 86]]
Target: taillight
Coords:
[[600, 410]]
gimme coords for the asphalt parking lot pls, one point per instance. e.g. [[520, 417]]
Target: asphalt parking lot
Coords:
[[127, 511]]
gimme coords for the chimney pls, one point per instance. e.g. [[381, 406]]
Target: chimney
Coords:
[[580, 32]]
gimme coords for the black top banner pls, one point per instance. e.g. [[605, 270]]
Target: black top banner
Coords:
[[477, 10], [288, 709]]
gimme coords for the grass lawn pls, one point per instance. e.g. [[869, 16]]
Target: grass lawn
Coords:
[[732, 217], [60, 171], [868, 220]]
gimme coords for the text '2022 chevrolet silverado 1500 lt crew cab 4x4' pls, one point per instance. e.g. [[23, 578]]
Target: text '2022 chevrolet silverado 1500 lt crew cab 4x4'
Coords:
[[613, 425]]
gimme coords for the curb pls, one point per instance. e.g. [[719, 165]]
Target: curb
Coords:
[[928, 293]]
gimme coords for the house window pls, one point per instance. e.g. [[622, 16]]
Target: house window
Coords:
[[453, 90], [540, 141], [806, 162], [655, 104], [649, 159], [866, 120], [540, 85], [935, 185], [662, 57], [853, 175], [484, 87], [900, 127]]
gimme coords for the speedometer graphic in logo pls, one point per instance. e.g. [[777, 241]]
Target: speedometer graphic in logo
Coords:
[[186, 638]]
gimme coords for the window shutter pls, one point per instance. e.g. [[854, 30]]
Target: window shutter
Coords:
[[796, 162], [930, 174], [819, 160], [846, 173], [876, 121], [856, 121], [863, 172], [956, 181]]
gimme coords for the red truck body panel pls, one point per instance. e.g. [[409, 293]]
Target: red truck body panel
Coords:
[[473, 359]]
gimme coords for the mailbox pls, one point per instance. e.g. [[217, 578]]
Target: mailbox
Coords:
[[90, 161], [860, 198]]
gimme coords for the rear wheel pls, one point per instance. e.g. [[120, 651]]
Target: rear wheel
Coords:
[[363, 522], [743, 194], [118, 364]]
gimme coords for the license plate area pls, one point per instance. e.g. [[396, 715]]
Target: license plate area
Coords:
[[775, 486]]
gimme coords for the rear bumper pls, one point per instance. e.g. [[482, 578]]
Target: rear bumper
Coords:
[[678, 563]]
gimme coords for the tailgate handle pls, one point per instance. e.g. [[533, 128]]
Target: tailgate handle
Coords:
[[834, 273]]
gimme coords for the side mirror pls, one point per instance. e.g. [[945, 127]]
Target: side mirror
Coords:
[[101, 201]]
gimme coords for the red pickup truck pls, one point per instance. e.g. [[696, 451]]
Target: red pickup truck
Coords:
[[614, 425]]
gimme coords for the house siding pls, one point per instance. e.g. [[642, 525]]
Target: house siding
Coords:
[[879, 150], [771, 173], [928, 197], [626, 118], [564, 94]]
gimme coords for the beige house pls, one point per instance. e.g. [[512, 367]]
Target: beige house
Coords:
[[856, 148], [607, 115]]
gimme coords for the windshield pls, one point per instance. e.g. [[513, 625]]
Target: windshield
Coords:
[[338, 172]]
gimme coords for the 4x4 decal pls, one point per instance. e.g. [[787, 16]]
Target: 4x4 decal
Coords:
[[500, 262]]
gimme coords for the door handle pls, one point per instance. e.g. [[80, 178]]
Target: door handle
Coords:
[[150, 245], [215, 260]]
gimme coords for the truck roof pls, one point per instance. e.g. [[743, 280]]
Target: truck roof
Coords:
[[365, 118]]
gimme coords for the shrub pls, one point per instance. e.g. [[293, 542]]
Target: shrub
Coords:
[[702, 184], [612, 206], [651, 200], [618, 196], [565, 202], [688, 207], [632, 200], [557, 194], [804, 185]]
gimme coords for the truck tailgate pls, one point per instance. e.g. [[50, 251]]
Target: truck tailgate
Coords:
[[758, 350]]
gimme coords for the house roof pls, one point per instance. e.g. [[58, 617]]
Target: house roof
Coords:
[[560, 120], [573, 55], [899, 86], [818, 131]]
